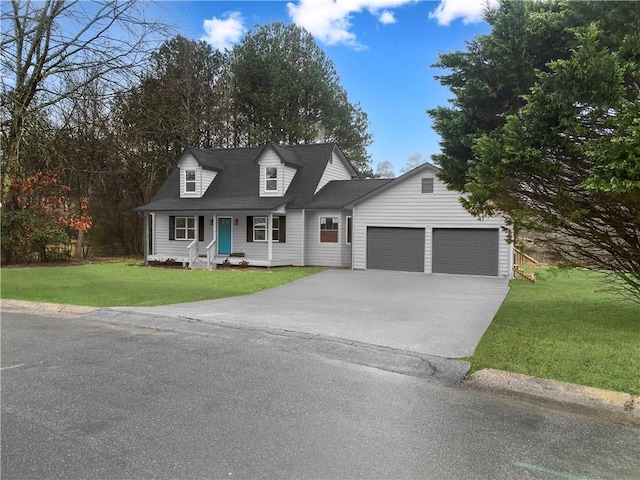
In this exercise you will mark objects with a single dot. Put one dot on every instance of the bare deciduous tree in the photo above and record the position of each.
(43, 42)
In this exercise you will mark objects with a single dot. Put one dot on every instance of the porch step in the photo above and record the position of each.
(200, 264)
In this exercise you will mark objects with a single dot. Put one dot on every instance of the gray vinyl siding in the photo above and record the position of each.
(177, 249)
(335, 170)
(326, 254)
(291, 249)
(404, 205)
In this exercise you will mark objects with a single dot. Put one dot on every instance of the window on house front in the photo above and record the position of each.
(260, 229)
(190, 181)
(257, 229)
(329, 229)
(271, 176)
(348, 231)
(185, 228)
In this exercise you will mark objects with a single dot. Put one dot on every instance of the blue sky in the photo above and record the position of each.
(382, 50)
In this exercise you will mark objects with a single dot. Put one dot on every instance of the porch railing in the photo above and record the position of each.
(524, 265)
(192, 255)
(211, 254)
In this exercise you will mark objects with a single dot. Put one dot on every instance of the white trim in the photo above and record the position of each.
(270, 236)
(304, 238)
(353, 215)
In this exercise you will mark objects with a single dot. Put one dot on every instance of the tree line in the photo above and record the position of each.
(92, 107)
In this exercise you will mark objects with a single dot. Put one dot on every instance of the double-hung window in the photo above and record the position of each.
(260, 229)
(185, 228)
(329, 229)
(271, 179)
(190, 181)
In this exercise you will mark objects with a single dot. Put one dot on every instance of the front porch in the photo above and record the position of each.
(251, 262)
(238, 238)
(202, 262)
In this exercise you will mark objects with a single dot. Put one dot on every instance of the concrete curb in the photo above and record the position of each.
(27, 306)
(580, 396)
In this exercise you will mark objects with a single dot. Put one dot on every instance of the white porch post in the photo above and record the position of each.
(146, 239)
(353, 235)
(270, 238)
(304, 236)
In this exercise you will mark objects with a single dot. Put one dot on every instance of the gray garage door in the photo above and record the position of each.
(395, 249)
(467, 251)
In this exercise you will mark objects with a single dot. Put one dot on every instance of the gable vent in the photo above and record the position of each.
(427, 185)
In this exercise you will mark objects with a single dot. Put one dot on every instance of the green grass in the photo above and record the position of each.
(111, 284)
(568, 326)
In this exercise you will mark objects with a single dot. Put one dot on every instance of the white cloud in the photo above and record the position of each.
(470, 11)
(223, 33)
(330, 20)
(387, 18)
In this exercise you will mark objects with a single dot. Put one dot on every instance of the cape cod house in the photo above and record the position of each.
(302, 205)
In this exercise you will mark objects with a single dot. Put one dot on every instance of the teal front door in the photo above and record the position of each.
(224, 236)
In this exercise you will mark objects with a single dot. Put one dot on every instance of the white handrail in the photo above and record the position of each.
(211, 253)
(193, 252)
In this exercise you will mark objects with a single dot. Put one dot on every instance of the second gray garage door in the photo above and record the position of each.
(466, 251)
(395, 249)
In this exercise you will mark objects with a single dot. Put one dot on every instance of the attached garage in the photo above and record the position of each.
(391, 248)
(415, 223)
(466, 251)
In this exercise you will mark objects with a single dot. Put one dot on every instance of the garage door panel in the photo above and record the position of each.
(399, 249)
(466, 251)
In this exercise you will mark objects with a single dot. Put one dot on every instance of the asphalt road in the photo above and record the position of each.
(83, 399)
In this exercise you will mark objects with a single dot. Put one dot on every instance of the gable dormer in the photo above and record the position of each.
(278, 166)
(196, 174)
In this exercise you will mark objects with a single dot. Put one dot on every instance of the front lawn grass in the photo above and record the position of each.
(568, 326)
(110, 284)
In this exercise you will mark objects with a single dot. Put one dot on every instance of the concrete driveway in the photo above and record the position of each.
(441, 315)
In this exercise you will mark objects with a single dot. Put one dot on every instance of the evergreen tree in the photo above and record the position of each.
(285, 89)
(544, 127)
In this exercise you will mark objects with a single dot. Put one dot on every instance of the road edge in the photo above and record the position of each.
(571, 394)
(410, 363)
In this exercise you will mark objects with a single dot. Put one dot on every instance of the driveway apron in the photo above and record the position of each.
(441, 315)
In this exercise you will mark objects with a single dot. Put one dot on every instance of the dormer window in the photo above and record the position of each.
(271, 179)
(190, 181)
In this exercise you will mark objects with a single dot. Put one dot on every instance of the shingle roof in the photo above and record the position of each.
(236, 186)
(338, 193)
(209, 159)
(287, 155)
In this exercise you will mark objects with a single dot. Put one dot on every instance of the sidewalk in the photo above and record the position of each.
(582, 397)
